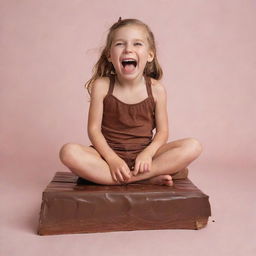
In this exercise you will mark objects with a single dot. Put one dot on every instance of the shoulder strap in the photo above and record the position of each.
(111, 84)
(148, 84)
(147, 80)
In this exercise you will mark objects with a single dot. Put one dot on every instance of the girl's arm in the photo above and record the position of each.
(118, 168)
(99, 91)
(144, 159)
(162, 130)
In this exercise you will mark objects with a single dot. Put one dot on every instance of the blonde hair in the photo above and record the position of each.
(104, 68)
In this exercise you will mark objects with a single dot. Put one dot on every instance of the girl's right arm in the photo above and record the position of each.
(118, 168)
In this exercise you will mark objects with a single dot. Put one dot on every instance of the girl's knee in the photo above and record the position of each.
(193, 147)
(68, 151)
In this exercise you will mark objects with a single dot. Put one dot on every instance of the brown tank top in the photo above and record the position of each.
(126, 126)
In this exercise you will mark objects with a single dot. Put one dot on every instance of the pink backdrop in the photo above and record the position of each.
(48, 49)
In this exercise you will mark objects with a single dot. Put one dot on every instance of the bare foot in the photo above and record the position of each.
(159, 180)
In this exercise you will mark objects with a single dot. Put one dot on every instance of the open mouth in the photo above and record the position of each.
(129, 63)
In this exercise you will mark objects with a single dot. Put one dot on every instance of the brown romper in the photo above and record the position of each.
(128, 128)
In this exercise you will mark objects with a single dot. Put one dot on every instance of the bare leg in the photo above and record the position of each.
(170, 158)
(166, 179)
(87, 163)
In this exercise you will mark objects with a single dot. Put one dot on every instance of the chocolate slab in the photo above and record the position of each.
(68, 207)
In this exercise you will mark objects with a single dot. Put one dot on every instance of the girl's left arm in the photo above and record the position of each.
(144, 159)
(162, 129)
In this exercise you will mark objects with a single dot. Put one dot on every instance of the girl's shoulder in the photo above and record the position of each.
(156, 84)
(158, 89)
(100, 86)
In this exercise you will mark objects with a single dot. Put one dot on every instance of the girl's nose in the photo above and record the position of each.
(128, 48)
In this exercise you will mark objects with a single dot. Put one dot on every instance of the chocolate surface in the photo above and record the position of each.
(71, 208)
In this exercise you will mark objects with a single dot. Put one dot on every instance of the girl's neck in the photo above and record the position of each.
(130, 83)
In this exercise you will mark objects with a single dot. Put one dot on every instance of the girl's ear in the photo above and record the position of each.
(108, 57)
(150, 56)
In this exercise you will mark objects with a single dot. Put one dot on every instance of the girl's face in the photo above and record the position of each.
(130, 51)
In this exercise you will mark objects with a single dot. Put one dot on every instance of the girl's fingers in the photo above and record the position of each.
(145, 167)
(136, 168)
(119, 176)
(142, 166)
(114, 177)
(125, 173)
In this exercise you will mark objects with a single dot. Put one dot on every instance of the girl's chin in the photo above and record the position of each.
(130, 75)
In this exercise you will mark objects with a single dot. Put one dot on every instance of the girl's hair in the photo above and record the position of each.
(104, 68)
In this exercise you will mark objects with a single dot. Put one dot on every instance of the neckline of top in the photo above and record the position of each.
(148, 87)
(129, 104)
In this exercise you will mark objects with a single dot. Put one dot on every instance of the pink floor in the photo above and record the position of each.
(230, 231)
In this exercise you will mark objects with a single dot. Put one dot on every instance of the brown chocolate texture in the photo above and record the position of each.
(71, 208)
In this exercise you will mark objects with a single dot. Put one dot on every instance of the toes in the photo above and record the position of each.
(169, 183)
(162, 180)
(168, 177)
(168, 180)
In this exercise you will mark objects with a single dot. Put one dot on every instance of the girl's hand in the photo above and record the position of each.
(143, 163)
(119, 170)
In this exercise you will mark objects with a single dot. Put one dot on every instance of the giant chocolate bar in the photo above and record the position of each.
(68, 207)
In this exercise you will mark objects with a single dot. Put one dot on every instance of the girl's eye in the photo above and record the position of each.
(135, 44)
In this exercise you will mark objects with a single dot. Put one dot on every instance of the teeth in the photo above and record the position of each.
(129, 61)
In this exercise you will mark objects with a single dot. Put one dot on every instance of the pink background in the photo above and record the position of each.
(207, 51)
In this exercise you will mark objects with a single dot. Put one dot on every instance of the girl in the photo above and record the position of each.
(127, 103)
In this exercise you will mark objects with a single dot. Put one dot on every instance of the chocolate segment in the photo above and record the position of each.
(68, 207)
